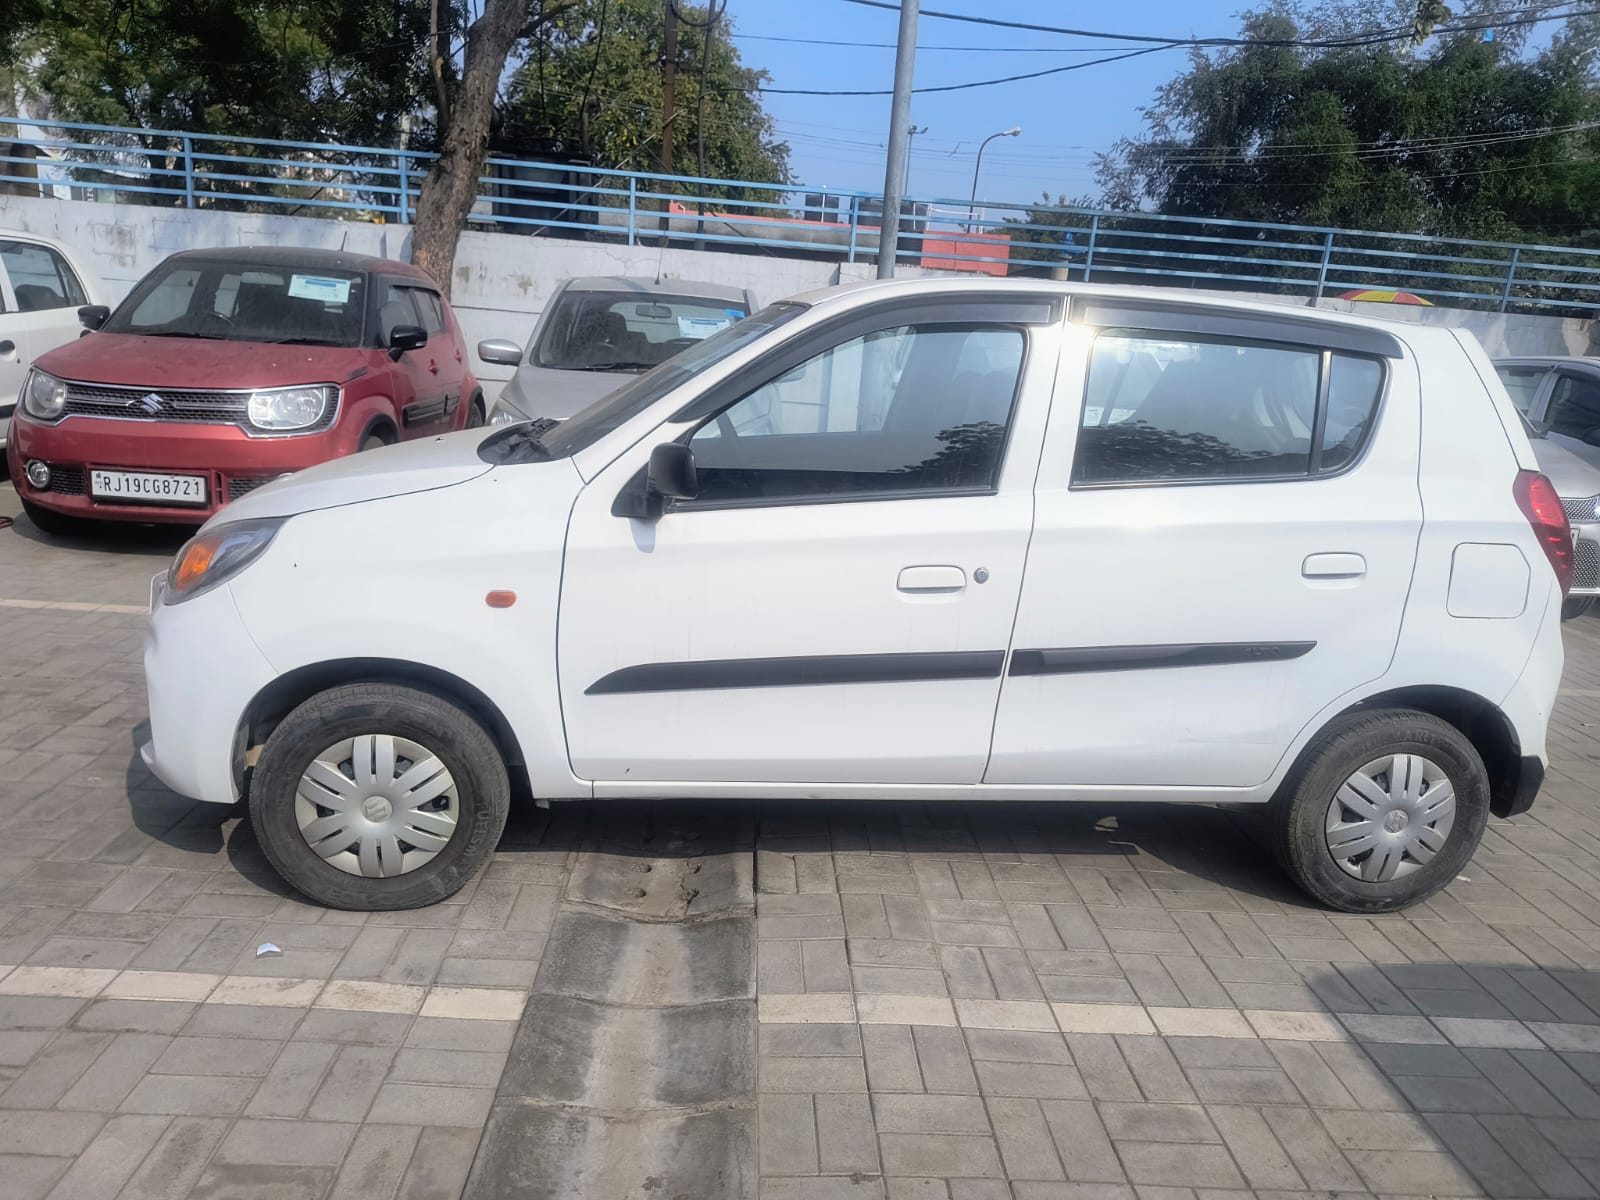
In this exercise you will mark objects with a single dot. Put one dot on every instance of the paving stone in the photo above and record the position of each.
(1007, 1045)
(930, 1114)
(1081, 1143)
(891, 1058)
(1181, 1166)
(376, 1162)
(1144, 1122)
(942, 1056)
(134, 1016)
(115, 1072)
(286, 1143)
(376, 1029)
(216, 1056)
(1101, 1066)
(54, 1070)
(1255, 1150)
(788, 1134)
(845, 1136)
(965, 1155)
(812, 1075)
(293, 1080)
(439, 1164)
(351, 1082)
(1155, 1069)
(30, 1176)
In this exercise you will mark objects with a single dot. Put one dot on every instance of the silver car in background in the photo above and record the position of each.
(597, 331)
(1560, 398)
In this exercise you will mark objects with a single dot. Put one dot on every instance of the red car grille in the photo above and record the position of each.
(173, 405)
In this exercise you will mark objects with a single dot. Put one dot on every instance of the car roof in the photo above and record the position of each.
(19, 235)
(1545, 360)
(850, 294)
(300, 256)
(656, 287)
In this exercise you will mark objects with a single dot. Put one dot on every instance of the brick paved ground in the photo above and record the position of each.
(956, 1002)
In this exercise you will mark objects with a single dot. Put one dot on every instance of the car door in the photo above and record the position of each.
(444, 356)
(38, 308)
(835, 604)
(1224, 540)
(420, 397)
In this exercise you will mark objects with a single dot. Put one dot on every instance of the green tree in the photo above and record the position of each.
(590, 83)
(1449, 140)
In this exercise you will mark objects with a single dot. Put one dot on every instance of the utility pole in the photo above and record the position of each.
(905, 60)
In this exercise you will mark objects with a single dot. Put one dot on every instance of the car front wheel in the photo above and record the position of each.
(373, 796)
(1381, 812)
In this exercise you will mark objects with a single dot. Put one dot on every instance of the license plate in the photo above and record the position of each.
(142, 485)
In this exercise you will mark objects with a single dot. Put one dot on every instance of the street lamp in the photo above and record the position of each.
(978, 166)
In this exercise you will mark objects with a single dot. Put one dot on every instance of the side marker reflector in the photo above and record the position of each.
(500, 599)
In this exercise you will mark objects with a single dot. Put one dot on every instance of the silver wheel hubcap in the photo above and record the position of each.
(376, 805)
(1391, 817)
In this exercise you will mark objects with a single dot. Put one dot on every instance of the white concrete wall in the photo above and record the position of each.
(502, 281)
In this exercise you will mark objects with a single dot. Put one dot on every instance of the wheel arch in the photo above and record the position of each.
(1480, 721)
(285, 693)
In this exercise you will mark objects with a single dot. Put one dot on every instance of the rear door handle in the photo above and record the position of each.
(1333, 566)
(923, 580)
(433, 366)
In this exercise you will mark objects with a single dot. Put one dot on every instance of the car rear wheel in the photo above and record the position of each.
(47, 520)
(373, 796)
(1575, 606)
(1381, 812)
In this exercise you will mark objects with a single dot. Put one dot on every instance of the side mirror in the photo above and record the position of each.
(406, 337)
(93, 315)
(669, 476)
(672, 473)
(499, 350)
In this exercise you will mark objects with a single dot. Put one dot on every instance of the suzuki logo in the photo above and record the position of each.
(152, 403)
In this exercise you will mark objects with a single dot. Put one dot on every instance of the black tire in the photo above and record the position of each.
(483, 793)
(1575, 606)
(475, 415)
(47, 520)
(1299, 811)
(374, 440)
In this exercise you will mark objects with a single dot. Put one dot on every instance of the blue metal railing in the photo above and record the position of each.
(220, 171)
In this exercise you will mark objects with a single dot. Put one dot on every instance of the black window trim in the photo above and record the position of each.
(1216, 334)
(71, 286)
(940, 315)
(1288, 328)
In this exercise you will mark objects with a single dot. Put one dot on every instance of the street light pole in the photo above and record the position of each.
(905, 59)
(978, 166)
(911, 135)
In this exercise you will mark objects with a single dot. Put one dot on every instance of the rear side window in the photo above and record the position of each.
(1162, 409)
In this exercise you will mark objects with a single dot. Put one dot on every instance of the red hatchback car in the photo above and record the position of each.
(224, 369)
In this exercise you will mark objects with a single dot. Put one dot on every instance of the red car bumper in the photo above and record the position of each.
(229, 460)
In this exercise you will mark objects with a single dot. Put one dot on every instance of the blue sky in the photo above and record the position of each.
(839, 141)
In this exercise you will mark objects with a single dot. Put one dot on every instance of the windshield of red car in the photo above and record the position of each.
(245, 303)
(627, 331)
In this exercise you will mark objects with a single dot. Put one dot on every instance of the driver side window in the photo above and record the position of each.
(909, 410)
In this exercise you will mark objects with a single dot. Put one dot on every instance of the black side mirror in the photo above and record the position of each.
(93, 315)
(669, 476)
(406, 337)
(672, 473)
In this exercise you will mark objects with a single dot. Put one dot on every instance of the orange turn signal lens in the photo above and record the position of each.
(193, 564)
(500, 599)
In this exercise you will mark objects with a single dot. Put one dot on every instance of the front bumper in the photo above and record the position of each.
(201, 670)
(230, 460)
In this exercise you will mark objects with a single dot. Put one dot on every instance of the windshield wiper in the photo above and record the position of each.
(610, 366)
(299, 341)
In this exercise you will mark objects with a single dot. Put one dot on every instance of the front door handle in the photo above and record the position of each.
(1333, 566)
(8, 350)
(925, 580)
(433, 366)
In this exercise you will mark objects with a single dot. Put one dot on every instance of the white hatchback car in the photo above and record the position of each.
(916, 541)
(41, 289)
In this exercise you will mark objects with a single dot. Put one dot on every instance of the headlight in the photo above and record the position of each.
(217, 555)
(288, 408)
(43, 396)
(504, 414)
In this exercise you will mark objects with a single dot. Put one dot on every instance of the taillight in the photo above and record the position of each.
(1536, 497)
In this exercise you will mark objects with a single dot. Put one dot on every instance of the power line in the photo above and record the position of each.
(760, 37)
(961, 87)
(1306, 43)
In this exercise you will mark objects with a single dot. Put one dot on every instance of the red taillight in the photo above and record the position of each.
(1536, 497)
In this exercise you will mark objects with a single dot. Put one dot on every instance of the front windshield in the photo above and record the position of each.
(522, 443)
(627, 331)
(239, 302)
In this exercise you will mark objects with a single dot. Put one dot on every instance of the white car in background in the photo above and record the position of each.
(600, 330)
(42, 286)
